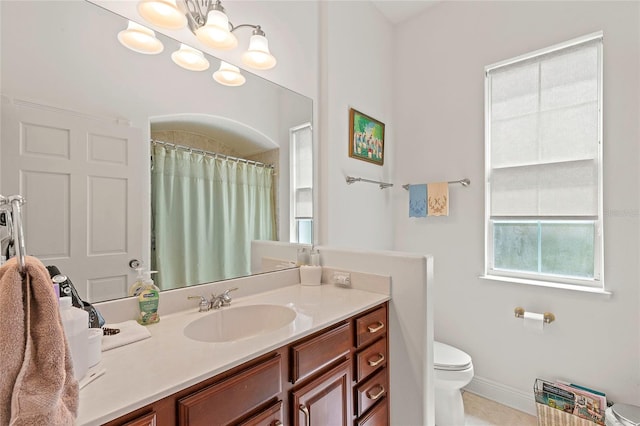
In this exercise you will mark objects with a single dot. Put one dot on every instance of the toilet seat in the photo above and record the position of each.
(626, 414)
(448, 358)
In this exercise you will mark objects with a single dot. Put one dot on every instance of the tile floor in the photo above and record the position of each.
(484, 412)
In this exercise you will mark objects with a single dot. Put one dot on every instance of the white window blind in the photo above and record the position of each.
(543, 163)
(301, 216)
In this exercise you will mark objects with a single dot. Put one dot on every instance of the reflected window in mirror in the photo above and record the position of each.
(301, 219)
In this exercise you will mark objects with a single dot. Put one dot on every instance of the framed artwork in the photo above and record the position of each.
(366, 138)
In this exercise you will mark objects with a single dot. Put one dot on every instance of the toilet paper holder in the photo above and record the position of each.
(547, 316)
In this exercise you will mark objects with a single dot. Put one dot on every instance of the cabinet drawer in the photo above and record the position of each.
(370, 326)
(371, 391)
(224, 402)
(146, 420)
(371, 359)
(314, 354)
(378, 416)
(272, 416)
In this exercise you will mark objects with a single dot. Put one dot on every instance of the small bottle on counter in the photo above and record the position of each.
(314, 257)
(302, 257)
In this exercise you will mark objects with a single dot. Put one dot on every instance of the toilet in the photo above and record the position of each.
(622, 415)
(453, 370)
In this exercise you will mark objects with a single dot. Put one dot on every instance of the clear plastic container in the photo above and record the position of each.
(76, 328)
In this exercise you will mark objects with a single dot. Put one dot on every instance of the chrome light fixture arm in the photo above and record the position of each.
(196, 17)
(257, 30)
(197, 11)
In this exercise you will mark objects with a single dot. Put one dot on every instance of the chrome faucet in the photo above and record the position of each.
(221, 300)
(216, 302)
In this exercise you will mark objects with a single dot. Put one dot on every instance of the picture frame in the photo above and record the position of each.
(366, 138)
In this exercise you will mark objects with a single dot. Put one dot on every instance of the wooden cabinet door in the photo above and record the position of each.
(233, 398)
(325, 400)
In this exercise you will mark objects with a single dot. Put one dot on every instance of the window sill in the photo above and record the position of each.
(548, 284)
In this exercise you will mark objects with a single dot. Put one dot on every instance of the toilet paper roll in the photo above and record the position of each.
(534, 322)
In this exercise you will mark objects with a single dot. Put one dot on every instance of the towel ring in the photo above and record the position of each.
(18, 236)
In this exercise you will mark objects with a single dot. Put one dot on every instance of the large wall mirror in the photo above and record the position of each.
(79, 112)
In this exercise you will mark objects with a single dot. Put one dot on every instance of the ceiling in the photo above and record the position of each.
(397, 11)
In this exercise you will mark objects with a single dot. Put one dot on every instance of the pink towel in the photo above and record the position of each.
(37, 385)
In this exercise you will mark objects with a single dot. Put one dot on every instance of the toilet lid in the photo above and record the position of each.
(627, 413)
(447, 357)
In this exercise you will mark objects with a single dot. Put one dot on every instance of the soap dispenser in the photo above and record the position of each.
(148, 300)
(138, 285)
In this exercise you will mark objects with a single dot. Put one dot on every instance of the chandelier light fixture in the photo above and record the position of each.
(228, 75)
(140, 39)
(189, 58)
(210, 24)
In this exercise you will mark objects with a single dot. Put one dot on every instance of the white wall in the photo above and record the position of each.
(356, 57)
(439, 126)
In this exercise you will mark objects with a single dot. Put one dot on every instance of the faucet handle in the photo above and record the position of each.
(204, 303)
(226, 298)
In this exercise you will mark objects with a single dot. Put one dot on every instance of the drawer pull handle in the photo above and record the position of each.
(304, 409)
(376, 396)
(277, 423)
(373, 363)
(376, 328)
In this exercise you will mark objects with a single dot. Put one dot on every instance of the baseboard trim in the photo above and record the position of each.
(505, 395)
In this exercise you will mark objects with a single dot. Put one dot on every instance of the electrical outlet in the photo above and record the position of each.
(341, 278)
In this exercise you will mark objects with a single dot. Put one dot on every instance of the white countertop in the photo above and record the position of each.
(151, 369)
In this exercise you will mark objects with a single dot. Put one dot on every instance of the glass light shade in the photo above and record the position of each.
(228, 75)
(140, 39)
(189, 58)
(258, 55)
(215, 33)
(162, 13)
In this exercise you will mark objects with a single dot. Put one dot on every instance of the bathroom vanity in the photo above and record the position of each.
(330, 366)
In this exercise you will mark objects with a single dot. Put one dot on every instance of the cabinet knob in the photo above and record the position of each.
(373, 363)
(377, 395)
(277, 423)
(375, 327)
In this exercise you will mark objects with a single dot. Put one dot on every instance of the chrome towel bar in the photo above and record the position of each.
(464, 182)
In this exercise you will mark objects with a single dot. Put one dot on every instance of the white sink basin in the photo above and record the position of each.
(236, 323)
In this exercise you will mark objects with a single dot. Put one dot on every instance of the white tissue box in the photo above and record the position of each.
(310, 275)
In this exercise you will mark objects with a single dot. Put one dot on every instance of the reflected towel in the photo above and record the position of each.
(130, 331)
(418, 200)
(37, 386)
(438, 200)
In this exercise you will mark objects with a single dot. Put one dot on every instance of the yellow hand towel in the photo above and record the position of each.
(438, 199)
(37, 386)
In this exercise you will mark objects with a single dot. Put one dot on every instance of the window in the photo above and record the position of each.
(543, 149)
(301, 217)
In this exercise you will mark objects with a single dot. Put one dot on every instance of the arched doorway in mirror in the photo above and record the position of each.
(213, 191)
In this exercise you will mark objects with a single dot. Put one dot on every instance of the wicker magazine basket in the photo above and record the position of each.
(556, 409)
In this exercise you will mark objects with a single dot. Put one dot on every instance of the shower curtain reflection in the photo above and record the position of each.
(205, 213)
